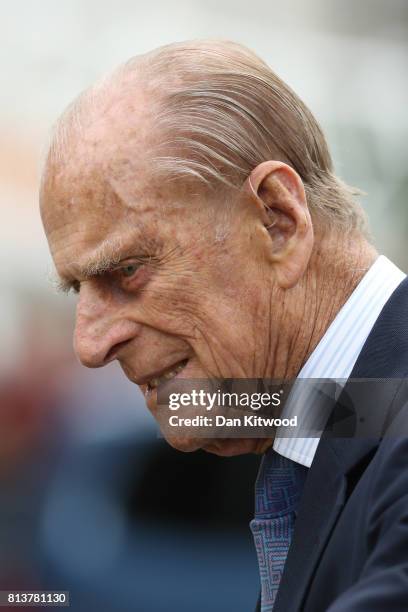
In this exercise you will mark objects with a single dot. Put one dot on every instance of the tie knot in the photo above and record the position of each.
(278, 486)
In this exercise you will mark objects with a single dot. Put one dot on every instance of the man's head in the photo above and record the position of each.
(188, 198)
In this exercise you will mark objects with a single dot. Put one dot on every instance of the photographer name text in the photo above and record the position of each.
(222, 421)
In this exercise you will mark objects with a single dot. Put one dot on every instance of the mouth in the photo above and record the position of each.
(152, 382)
(168, 374)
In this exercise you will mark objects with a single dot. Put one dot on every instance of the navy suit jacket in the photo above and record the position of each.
(349, 551)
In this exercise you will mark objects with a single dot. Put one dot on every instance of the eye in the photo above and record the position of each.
(129, 270)
(65, 286)
(131, 275)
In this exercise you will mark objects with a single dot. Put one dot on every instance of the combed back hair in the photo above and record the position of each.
(218, 110)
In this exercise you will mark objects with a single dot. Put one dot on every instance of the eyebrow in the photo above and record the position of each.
(103, 259)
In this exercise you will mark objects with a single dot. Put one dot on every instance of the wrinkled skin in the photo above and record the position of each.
(191, 281)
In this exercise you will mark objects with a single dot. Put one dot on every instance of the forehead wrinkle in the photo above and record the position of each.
(118, 191)
(132, 186)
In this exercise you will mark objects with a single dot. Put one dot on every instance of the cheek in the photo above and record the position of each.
(199, 294)
(173, 304)
(214, 325)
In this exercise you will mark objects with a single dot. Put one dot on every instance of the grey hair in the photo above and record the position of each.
(217, 111)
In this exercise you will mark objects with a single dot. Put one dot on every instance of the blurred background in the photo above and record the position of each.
(91, 500)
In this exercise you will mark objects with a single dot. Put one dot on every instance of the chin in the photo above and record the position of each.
(231, 447)
(223, 447)
(186, 445)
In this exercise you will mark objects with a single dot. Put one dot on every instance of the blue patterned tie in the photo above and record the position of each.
(277, 492)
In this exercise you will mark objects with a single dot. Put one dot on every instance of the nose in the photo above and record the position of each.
(101, 330)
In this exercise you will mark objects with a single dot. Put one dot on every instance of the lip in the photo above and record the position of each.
(143, 381)
(151, 393)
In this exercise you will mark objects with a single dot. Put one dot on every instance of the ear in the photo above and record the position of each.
(277, 191)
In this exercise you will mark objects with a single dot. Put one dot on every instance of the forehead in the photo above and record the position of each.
(101, 189)
(89, 210)
(95, 144)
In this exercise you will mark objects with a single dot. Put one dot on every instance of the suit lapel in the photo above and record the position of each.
(325, 494)
(323, 499)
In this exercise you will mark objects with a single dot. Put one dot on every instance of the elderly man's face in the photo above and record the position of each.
(170, 284)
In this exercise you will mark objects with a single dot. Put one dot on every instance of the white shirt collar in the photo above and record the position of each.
(338, 350)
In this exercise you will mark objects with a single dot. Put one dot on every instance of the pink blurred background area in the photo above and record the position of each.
(92, 500)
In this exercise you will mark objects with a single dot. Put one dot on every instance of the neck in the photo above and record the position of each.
(337, 266)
